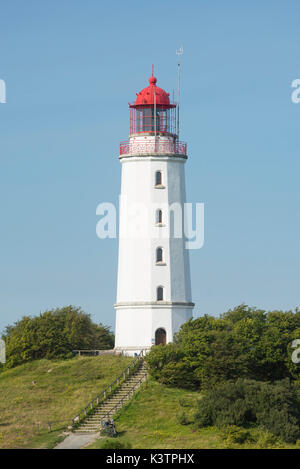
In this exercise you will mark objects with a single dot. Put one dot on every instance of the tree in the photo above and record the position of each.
(274, 406)
(54, 334)
(243, 342)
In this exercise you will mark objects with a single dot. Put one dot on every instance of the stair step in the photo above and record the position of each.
(114, 403)
(88, 427)
(78, 432)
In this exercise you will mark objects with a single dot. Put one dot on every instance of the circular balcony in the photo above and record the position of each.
(152, 147)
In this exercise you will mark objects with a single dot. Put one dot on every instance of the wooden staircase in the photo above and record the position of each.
(94, 422)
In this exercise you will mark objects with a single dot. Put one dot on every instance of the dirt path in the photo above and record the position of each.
(76, 441)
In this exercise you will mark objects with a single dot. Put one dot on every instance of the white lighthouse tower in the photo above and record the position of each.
(154, 288)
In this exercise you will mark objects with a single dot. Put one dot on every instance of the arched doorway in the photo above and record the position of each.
(160, 337)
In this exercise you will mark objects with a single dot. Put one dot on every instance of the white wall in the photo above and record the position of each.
(138, 314)
(136, 326)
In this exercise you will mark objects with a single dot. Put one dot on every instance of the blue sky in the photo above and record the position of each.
(70, 68)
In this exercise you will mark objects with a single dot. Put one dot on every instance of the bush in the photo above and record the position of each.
(242, 343)
(235, 435)
(282, 423)
(54, 334)
(275, 407)
(115, 444)
(263, 440)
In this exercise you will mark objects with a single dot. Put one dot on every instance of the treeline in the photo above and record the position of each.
(243, 342)
(54, 334)
(242, 363)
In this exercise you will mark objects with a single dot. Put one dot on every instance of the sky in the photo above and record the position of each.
(70, 69)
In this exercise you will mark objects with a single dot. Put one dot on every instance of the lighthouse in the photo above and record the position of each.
(154, 286)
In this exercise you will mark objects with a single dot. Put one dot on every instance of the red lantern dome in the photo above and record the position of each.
(152, 111)
(146, 96)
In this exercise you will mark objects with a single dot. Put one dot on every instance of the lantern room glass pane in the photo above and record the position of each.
(145, 120)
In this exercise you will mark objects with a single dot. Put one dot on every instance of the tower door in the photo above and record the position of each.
(160, 337)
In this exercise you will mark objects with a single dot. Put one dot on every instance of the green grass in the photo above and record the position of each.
(43, 391)
(151, 421)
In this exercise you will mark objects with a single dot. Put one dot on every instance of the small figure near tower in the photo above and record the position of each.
(154, 287)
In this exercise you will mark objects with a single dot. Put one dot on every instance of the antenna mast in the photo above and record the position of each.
(154, 106)
(179, 53)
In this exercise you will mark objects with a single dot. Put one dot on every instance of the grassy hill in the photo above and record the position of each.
(152, 421)
(43, 391)
(54, 391)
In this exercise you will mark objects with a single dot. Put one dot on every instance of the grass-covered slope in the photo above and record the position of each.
(153, 420)
(43, 391)
(39, 392)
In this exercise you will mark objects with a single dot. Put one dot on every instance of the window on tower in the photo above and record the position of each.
(158, 178)
(159, 255)
(160, 294)
(159, 217)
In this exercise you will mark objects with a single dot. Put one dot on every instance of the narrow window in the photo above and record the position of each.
(159, 255)
(159, 216)
(158, 178)
(160, 293)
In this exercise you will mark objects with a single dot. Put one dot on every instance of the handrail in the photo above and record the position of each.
(124, 397)
(96, 400)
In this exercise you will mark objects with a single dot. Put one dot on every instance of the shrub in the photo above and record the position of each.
(275, 407)
(242, 343)
(54, 334)
(282, 423)
(263, 440)
(235, 435)
(114, 443)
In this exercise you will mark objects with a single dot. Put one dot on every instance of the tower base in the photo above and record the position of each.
(141, 325)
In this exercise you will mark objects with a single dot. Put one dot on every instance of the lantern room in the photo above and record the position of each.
(152, 111)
